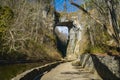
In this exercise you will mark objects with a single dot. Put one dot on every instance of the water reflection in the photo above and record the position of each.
(9, 71)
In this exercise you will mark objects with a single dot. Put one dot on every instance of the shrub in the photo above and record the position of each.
(6, 15)
(97, 50)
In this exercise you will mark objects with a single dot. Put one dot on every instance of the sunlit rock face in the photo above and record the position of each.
(74, 40)
(75, 36)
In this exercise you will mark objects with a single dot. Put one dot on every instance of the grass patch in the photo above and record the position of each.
(97, 50)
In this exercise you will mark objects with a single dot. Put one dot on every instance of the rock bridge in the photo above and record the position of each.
(63, 39)
(65, 43)
(62, 35)
(68, 24)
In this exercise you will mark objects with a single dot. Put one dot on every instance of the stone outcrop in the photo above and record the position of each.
(107, 67)
(74, 41)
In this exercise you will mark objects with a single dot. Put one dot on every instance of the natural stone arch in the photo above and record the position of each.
(69, 24)
(62, 46)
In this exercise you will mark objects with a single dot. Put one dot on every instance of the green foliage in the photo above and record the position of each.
(6, 15)
(97, 50)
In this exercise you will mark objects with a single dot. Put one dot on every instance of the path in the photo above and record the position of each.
(66, 71)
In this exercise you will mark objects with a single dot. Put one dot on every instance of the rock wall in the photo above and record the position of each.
(75, 38)
(107, 67)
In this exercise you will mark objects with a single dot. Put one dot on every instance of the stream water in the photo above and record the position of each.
(9, 71)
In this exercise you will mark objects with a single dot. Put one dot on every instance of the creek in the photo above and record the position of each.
(9, 71)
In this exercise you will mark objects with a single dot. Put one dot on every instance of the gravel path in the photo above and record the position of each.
(66, 71)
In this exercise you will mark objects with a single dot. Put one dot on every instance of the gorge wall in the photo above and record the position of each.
(105, 65)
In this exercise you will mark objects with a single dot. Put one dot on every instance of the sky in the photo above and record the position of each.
(59, 5)
(63, 30)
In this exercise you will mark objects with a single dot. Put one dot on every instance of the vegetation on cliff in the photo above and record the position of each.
(26, 30)
(100, 19)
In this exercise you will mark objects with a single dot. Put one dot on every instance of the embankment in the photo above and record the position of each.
(35, 73)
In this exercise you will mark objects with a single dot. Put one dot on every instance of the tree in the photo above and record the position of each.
(105, 7)
(29, 33)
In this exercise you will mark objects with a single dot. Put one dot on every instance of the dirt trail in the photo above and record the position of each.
(66, 71)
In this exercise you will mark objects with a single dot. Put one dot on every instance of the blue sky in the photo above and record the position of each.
(59, 5)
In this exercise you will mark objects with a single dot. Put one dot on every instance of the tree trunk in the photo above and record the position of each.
(113, 20)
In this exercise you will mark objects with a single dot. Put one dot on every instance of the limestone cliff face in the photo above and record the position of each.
(72, 45)
(106, 66)
(75, 38)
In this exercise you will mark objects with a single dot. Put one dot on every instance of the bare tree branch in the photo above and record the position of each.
(86, 12)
